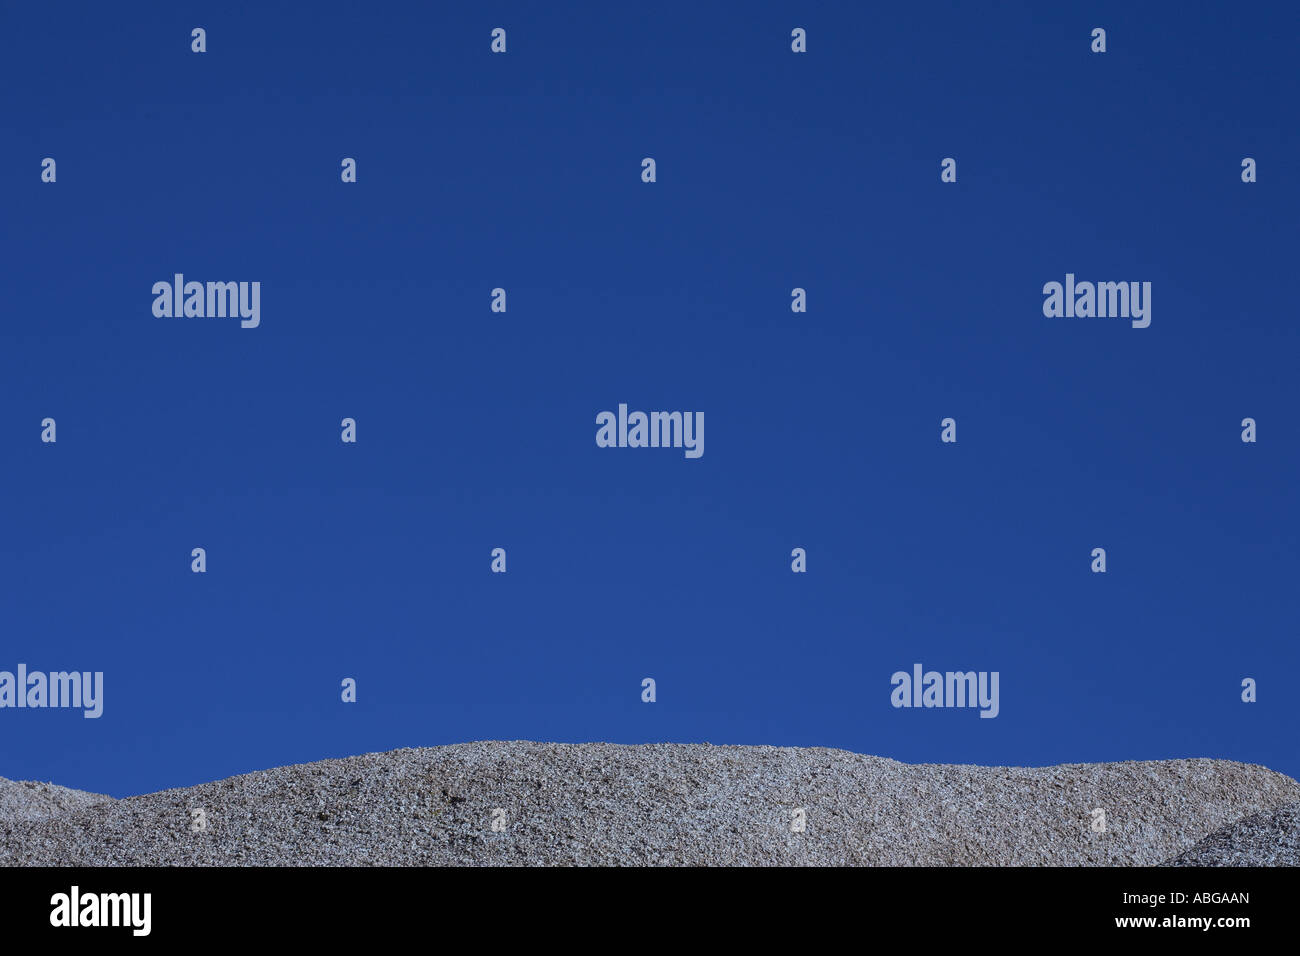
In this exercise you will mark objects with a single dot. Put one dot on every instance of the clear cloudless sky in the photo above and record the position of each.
(476, 430)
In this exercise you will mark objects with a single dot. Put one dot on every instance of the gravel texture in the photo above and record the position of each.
(27, 801)
(1265, 839)
(657, 804)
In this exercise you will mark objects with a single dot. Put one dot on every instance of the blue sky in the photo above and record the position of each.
(476, 429)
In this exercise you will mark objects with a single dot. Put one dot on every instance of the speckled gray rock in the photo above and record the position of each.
(28, 800)
(659, 804)
(1265, 839)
